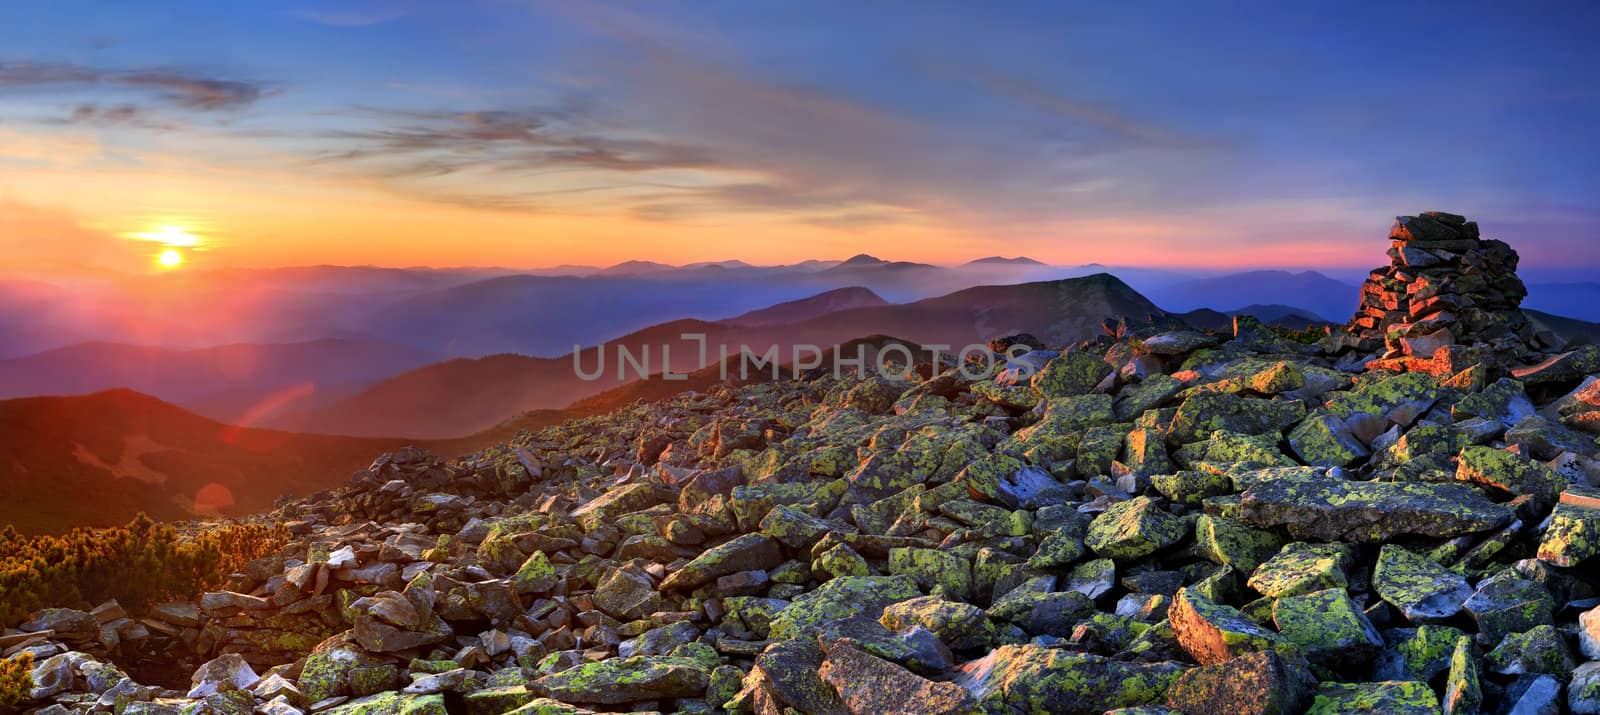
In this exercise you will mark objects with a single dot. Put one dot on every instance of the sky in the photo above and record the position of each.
(522, 134)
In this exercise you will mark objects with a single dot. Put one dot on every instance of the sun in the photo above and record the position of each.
(170, 258)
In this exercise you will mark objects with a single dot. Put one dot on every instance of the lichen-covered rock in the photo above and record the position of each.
(328, 673)
(1506, 603)
(1385, 698)
(1537, 650)
(840, 598)
(1214, 633)
(1424, 591)
(1573, 535)
(536, 575)
(1328, 628)
(393, 703)
(1058, 681)
(1583, 692)
(749, 552)
(1230, 542)
(785, 676)
(1330, 509)
(1192, 487)
(627, 594)
(1301, 568)
(1134, 529)
(916, 648)
(940, 571)
(1073, 372)
(1252, 684)
(619, 681)
(1462, 692)
(1508, 473)
(1202, 414)
(1324, 440)
(869, 685)
(961, 626)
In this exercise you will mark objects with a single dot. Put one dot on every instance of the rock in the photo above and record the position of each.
(1093, 578)
(1054, 613)
(744, 553)
(840, 598)
(1177, 342)
(1202, 414)
(1133, 530)
(1537, 650)
(1230, 542)
(1326, 441)
(1508, 473)
(626, 594)
(1328, 509)
(1583, 692)
(68, 624)
(329, 673)
(1539, 695)
(1302, 568)
(941, 572)
(1252, 684)
(785, 676)
(536, 575)
(1573, 535)
(916, 648)
(1214, 633)
(226, 672)
(1424, 591)
(1328, 627)
(51, 676)
(1462, 693)
(1589, 633)
(1070, 373)
(1031, 488)
(619, 681)
(1058, 681)
(870, 686)
(377, 636)
(961, 626)
(1385, 698)
(1505, 604)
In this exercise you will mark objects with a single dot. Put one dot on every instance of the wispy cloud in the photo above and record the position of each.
(176, 87)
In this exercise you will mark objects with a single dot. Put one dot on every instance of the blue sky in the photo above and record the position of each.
(1183, 133)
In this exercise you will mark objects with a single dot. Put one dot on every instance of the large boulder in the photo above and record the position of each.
(1331, 509)
(1252, 684)
(871, 686)
(1058, 681)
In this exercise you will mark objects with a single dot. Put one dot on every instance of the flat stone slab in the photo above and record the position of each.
(1331, 509)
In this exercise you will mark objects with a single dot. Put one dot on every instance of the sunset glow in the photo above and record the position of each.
(170, 258)
(587, 134)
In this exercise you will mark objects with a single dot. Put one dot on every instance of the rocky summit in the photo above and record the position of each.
(1159, 521)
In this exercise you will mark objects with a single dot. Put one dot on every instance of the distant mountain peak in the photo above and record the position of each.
(1002, 260)
(863, 259)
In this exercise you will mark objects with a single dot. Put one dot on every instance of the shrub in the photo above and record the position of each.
(16, 679)
(138, 564)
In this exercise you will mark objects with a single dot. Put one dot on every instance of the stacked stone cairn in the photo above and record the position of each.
(1446, 289)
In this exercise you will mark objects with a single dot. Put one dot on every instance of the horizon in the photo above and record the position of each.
(550, 133)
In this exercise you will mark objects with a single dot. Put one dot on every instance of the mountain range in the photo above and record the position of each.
(114, 452)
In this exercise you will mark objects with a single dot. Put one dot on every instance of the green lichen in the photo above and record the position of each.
(1134, 529)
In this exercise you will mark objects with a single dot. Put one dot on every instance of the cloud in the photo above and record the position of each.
(432, 144)
(175, 87)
